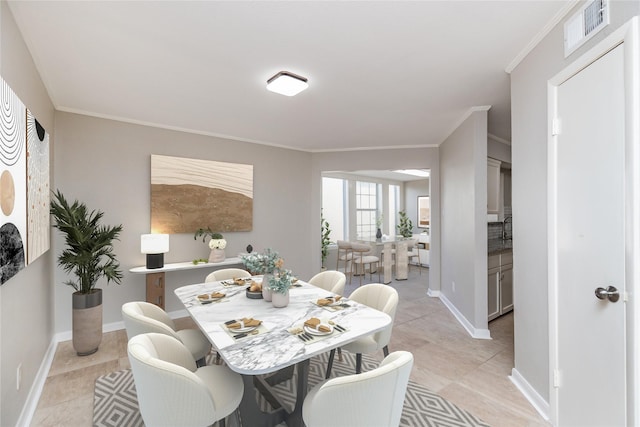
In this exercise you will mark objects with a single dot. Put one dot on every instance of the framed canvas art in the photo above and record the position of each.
(188, 194)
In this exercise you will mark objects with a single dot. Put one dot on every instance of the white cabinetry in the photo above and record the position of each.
(423, 249)
(493, 186)
(500, 284)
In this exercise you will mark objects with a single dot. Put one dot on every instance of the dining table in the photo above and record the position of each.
(268, 353)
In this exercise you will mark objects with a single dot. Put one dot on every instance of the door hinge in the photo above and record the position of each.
(555, 127)
(556, 378)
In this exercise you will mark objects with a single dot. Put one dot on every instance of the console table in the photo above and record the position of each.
(155, 276)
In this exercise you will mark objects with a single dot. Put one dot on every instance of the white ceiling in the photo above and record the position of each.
(381, 74)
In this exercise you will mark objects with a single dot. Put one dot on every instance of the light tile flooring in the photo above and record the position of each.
(471, 373)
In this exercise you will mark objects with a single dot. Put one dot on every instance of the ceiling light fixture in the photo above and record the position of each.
(415, 172)
(287, 83)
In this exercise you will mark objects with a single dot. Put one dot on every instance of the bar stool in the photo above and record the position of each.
(360, 258)
(414, 252)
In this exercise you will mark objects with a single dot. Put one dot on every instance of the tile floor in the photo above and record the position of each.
(471, 373)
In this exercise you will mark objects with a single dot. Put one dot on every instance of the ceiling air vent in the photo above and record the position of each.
(591, 18)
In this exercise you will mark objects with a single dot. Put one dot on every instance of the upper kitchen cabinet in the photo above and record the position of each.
(493, 186)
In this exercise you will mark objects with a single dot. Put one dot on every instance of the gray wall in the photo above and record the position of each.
(26, 312)
(463, 174)
(107, 165)
(529, 194)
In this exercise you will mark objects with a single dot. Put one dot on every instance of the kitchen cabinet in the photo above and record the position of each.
(500, 284)
(493, 186)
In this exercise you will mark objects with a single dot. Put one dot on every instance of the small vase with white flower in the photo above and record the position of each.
(217, 243)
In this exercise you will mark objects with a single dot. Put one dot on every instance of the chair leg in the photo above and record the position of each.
(358, 363)
(330, 364)
(222, 423)
(339, 354)
(385, 350)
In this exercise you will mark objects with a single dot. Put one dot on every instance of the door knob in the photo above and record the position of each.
(611, 293)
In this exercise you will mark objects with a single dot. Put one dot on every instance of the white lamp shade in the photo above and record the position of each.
(154, 243)
(286, 83)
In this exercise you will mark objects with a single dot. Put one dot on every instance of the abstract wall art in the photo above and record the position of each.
(24, 186)
(188, 194)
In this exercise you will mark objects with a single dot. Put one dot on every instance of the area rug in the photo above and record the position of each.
(115, 402)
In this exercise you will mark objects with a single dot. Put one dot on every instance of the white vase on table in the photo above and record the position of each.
(280, 300)
(217, 255)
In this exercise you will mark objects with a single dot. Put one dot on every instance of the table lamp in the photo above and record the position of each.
(155, 246)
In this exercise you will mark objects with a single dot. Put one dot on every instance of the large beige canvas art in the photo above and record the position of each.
(188, 194)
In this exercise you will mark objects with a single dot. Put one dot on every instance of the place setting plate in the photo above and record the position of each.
(316, 332)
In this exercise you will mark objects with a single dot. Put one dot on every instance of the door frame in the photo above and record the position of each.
(626, 35)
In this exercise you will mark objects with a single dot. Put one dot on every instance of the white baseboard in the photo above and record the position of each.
(537, 401)
(482, 334)
(433, 294)
(37, 386)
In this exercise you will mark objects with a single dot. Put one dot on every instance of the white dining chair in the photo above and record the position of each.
(142, 317)
(363, 256)
(226, 274)
(173, 391)
(380, 297)
(330, 280)
(345, 255)
(372, 399)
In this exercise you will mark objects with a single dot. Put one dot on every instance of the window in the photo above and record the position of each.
(334, 193)
(366, 210)
(394, 206)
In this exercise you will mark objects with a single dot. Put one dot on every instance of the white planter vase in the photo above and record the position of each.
(280, 300)
(217, 255)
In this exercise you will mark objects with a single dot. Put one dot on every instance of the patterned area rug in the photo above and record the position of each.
(115, 402)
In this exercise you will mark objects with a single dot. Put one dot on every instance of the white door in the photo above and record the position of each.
(588, 248)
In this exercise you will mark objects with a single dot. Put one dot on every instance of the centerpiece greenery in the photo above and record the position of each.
(281, 281)
(262, 263)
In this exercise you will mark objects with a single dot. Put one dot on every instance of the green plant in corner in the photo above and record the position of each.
(89, 253)
(325, 236)
(405, 226)
(89, 256)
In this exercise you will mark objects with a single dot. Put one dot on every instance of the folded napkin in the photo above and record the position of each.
(206, 297)
(244, 323)
(329, 300)
(316, 324)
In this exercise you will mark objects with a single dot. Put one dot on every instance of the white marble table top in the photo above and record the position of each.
(276, 348)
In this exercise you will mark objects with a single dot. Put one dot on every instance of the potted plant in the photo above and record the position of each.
(279, 285)
(265, 263)
(326, 232)
(217, 243)
(405, 226)
(89, 256)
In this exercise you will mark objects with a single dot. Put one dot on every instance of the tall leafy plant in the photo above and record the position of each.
(89, 253)
(325, 236)
(405, 226)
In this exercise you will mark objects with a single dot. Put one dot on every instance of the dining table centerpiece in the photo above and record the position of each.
(279, 284)
(217, 243)
(265, 264)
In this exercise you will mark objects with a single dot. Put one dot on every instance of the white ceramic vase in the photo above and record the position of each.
(280, 300)
(217, 255)
(266, 290)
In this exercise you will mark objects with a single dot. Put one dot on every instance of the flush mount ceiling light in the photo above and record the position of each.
(287, 83)
(415, 172)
